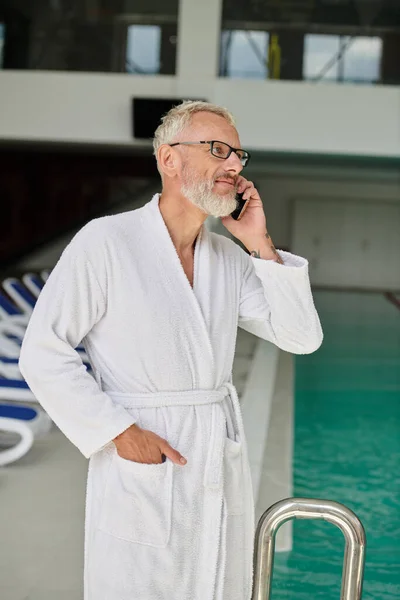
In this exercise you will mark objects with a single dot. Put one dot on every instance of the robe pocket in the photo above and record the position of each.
(234, 481)
(137, 502)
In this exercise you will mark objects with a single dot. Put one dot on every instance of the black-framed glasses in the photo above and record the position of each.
(220, 150)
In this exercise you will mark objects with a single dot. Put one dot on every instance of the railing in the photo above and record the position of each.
(303, 508)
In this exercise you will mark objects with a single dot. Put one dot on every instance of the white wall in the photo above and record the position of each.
(287, 116)
(349, 243)
(280, 190)
(365, 243)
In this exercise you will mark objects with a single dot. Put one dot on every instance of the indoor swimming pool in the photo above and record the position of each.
(347, 447)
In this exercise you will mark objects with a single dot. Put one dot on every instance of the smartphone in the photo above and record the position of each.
(238, 213)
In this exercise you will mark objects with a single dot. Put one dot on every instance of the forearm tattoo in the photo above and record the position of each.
(256, 253)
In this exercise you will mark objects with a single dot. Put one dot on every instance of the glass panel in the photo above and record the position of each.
(342, 58)
(2, 35)
(93, 36)
(244, 54)
(319, 53)
(362, 60)
(355, 41)
(143, 49)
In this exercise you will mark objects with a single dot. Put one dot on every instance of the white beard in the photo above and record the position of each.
(201, 195)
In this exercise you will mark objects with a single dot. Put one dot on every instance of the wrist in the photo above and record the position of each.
(121, 436)
(263, 247)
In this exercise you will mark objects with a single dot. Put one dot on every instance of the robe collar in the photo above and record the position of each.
(196, 301)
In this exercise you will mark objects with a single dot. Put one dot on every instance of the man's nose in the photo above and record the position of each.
(233, 163)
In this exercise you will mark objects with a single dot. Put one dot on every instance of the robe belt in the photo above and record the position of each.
(223, 422)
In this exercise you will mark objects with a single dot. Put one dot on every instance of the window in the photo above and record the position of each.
(244, 54)
(134, 36)
(318, 52)
(363, 59)
(143, 49)
(2, 36)
(342, 58)
(297, 40)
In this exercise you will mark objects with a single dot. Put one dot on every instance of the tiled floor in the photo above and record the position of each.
(41, 522)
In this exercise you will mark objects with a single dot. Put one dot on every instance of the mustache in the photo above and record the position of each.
(229, 176)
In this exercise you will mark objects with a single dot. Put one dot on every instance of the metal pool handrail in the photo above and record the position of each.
(305, 508)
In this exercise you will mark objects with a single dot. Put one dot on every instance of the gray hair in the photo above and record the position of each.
(179, 117)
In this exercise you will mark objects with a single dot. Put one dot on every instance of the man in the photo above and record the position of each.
(156, 299)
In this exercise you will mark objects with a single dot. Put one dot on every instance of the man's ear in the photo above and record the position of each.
(168, 160)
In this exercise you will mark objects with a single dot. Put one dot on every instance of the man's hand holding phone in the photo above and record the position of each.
(248, 223)
(251, 224)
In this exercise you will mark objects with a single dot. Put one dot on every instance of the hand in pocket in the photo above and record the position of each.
(144, 446)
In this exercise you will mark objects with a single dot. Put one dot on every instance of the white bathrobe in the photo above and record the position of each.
(162, 355)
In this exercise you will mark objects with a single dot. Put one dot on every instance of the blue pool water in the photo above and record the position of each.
(347, 448)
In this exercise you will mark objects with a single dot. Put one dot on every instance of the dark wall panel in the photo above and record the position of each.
(45, 193)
